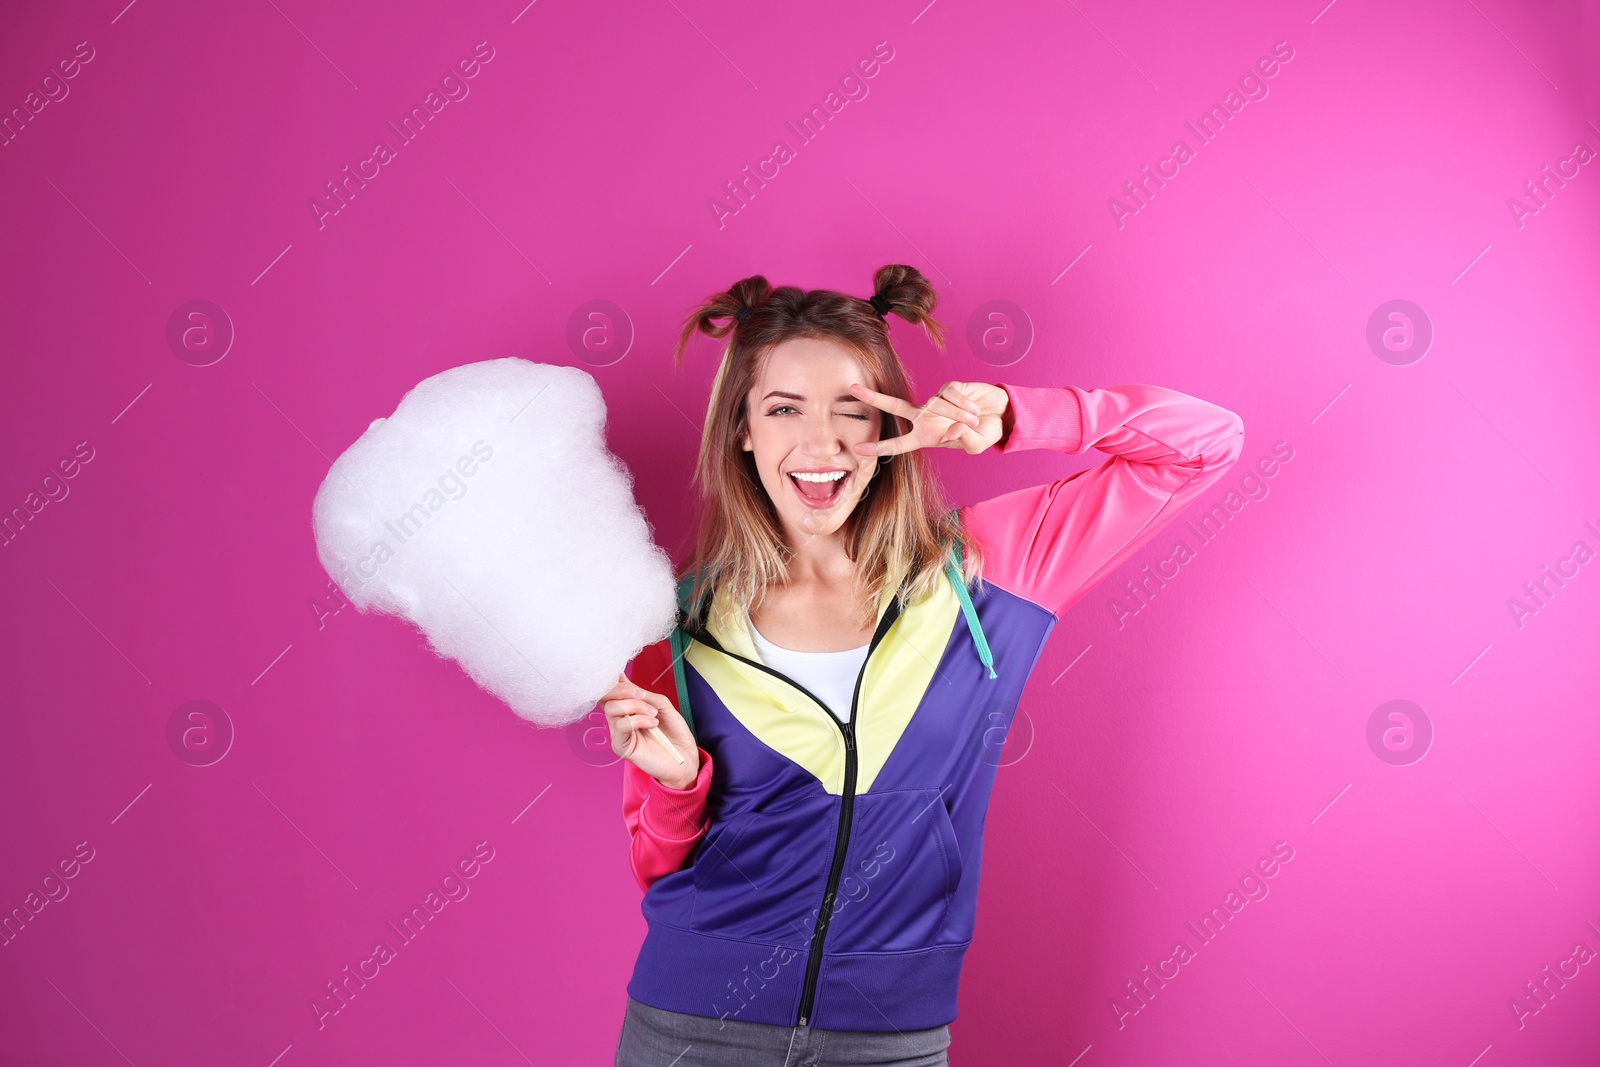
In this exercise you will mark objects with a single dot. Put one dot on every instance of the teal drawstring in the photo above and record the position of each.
(952, 570)
(679, 646)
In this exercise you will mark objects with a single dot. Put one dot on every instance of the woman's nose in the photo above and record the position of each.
(822, 438)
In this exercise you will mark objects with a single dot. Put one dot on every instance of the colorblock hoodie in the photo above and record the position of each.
(824, 873)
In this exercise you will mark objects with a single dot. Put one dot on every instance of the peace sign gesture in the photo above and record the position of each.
(960, 415)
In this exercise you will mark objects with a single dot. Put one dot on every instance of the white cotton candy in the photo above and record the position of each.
(487, 511)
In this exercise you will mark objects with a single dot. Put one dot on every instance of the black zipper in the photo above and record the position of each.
(847, 801)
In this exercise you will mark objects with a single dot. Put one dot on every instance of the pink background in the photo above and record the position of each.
(1229, 714)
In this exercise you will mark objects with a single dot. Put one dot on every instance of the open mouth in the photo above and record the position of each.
(818, 489)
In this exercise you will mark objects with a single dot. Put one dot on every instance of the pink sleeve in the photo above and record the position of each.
(663, 823)
(1051, 544)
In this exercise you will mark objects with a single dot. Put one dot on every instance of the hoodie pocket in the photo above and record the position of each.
(900, 874)
(761, 877)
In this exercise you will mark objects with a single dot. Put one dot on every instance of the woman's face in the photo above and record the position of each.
(802, 422)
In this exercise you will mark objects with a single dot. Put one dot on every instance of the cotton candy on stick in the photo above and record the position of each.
(488, 512)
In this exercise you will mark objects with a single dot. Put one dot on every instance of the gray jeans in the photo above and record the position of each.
(652, 1037)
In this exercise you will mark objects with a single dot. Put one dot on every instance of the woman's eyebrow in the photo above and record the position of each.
(844, 398)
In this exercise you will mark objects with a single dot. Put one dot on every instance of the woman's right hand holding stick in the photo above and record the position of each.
(631, 711)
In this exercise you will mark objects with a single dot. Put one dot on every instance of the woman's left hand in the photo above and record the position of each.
(961, 415)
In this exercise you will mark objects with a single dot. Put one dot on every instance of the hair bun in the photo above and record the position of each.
(903, 287)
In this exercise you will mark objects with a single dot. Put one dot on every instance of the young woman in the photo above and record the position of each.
(854, 656)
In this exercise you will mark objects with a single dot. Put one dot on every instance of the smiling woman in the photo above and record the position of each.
(797, 429)
(779, 471)
(847, 648)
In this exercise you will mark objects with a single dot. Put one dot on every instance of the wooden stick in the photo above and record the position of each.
(661, 739)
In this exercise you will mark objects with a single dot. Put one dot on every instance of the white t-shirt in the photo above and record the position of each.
(830, 675)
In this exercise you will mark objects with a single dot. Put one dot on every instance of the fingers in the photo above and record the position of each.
(625, 688)
(628, 720)
(972, 441)
(624, 709)
(638, 722)
(655, 700)
(889, 446)
(963, 437)
(947, 408)
(950, 404)
(953, 393)
(892, 404)
(954, 435)
(637, 707)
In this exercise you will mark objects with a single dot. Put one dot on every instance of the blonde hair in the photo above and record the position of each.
(900, 526)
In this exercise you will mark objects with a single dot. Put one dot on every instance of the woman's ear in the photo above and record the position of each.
(744, 443)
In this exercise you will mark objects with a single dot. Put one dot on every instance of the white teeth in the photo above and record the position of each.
(807, 476)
